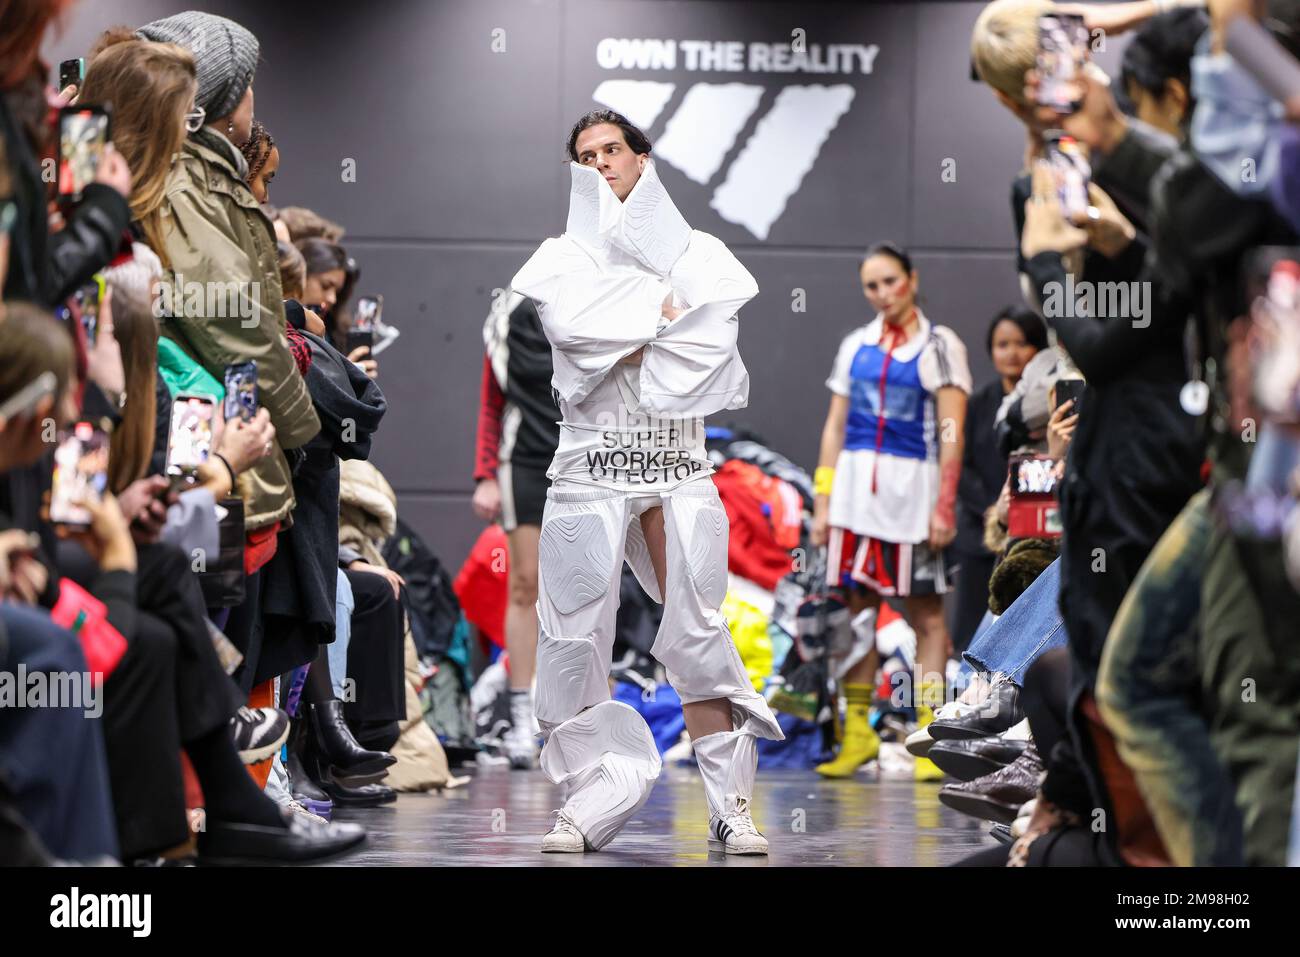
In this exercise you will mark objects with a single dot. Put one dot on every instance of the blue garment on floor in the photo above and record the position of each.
(802, 747)
(1030, 627)
(663, 712)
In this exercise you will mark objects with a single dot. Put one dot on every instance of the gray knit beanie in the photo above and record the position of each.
(225, 56)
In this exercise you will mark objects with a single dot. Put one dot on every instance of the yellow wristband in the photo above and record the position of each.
(823, 479)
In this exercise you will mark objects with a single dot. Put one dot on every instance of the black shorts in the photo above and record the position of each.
(523, 494)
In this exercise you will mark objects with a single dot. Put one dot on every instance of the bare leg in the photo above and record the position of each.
(521, 612)
(702, 717)
(925, 613)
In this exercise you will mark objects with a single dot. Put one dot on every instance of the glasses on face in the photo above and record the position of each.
(194, 119)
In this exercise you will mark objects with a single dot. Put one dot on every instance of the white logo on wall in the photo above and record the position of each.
(702, 131)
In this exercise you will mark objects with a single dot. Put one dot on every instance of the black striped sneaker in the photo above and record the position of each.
(735, 833)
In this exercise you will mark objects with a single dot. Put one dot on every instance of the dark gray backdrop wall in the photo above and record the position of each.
(454, 113)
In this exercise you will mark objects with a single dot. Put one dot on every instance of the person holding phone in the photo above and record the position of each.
(46, 268)
(331, 277)
(642, 320)
(886, 485)
(1015, 336)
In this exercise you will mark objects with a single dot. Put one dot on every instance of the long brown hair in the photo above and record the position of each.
(22, 30)
(150, 86)
(136, 332)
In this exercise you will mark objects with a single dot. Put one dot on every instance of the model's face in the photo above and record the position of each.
(603, 148)
(323, 288)
(1011, 352)
(889, 289)
(261, 183)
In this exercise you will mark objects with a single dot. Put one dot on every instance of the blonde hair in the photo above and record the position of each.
(136, 332)
(151, 86)
(304, 223)
(1004, 44)
(293, 269)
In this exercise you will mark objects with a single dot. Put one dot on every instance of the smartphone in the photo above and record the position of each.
(80, 474)
(83, 134)
(1070, 389)
(1033, 512)
(364, 318)
(89, 298)
(72, 73)
(1072, 171)
(241, 390)
(25, 399)
(189, 439)
(1062, 53)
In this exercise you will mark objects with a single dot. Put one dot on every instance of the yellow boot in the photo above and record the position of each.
(928, 694)
(861, 743)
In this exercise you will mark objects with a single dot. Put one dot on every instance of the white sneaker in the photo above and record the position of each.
(520, 741)
(564, 837)
(919, 741)
(520, 747)
(735, 832)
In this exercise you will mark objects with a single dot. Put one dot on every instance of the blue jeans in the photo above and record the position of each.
(338, 651)
(1030, 627)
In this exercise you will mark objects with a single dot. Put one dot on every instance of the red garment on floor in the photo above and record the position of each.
(482, 585)
(764, 513)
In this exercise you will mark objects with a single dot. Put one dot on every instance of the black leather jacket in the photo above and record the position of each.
(45, 269)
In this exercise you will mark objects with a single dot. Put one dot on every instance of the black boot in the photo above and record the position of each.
(301, 786)
(335, 744)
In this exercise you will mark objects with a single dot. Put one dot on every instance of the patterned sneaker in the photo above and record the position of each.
(735, 832)
(564, 837)
(300, 810)
(259, 732)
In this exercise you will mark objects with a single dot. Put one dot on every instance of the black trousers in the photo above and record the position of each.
(244, 629)
(972, 599)
(168, 689)
(376, 659)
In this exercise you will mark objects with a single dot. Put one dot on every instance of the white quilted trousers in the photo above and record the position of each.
(600, 750)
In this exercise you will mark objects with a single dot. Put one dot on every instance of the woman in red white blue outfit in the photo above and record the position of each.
(886, 485)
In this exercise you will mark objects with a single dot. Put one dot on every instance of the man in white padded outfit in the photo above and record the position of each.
(640, 311)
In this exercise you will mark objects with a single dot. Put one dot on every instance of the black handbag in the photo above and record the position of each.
(223, 580)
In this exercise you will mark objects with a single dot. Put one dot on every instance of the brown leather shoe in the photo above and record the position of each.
(997, 796)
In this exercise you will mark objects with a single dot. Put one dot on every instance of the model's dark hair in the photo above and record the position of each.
(894, 252)
(1162, 51)
(637, 141)
(1026, 321)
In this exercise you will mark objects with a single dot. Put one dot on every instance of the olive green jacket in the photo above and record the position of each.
(221, 303)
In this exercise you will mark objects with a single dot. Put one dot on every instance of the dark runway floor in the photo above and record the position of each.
(500, 816)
